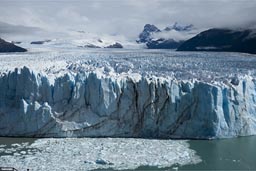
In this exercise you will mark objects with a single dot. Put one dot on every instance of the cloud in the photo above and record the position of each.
(175, 35)
(126, 17)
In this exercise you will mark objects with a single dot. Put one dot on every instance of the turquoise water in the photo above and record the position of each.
(226, 154)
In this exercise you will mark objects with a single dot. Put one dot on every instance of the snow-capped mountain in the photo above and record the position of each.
(170, 37)
(84, 39)
(146, 34)
(38, 38)
(178, 27)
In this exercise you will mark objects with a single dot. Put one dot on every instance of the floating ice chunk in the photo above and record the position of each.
(103, 162)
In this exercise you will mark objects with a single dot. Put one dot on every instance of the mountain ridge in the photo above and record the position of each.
(222, 39)
(10, 47)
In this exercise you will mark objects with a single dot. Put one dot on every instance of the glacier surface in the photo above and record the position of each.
(153, 94)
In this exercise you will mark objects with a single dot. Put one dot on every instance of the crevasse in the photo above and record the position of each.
(88, 104)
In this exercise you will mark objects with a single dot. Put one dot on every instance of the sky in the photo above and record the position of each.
(125, 17)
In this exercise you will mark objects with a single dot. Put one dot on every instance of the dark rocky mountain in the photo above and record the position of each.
(9, 47)
(222, 40)
(148, 30)
(116, 45)
(40, 42)
(16, 42)
(163, 44)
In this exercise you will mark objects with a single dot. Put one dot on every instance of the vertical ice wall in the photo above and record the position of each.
(91, 104)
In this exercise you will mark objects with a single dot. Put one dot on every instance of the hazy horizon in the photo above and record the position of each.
(125, 18)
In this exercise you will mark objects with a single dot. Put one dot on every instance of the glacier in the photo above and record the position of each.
(109, 98)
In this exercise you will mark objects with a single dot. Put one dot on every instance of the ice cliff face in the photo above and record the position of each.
(91, 104)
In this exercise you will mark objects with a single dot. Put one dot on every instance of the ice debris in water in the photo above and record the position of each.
(103, 153)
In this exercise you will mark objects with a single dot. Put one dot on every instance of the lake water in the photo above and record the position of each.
(225, 154)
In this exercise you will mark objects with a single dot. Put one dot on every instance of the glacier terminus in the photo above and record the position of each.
(142, 94)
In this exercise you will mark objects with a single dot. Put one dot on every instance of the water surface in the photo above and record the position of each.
(226, 154)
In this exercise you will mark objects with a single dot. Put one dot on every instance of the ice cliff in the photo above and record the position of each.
(91, 104)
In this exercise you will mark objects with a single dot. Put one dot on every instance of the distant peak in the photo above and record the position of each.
(151, 28)
(148, 30)
(179, 27)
